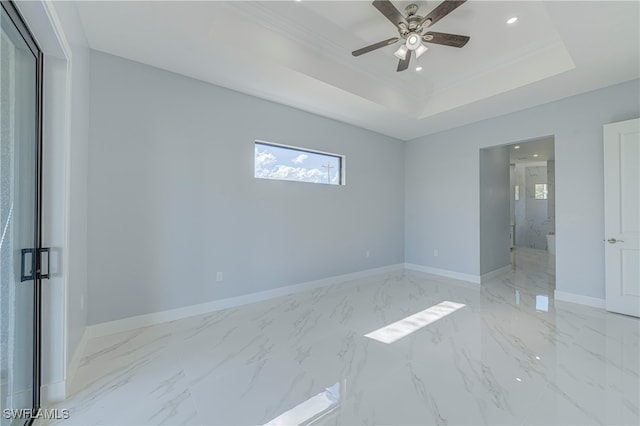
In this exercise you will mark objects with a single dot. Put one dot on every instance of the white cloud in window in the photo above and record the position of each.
(300, 159)
(264, 158)
(297, 173)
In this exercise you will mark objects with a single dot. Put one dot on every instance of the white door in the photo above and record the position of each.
(622, 216)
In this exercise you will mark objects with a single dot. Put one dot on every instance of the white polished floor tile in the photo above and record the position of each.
(510, 355)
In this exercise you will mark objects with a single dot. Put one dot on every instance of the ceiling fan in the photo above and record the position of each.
(412, 30)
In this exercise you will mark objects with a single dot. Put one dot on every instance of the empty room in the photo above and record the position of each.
(320, 212)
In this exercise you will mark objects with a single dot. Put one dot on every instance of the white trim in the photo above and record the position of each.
(74, 362)
(443, 273)
(496, 272)
(52, 393)
(47, 28)
(56, 25)
(131, 323)
(563, 296)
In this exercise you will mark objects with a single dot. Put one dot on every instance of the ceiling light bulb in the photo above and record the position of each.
(512, 20)
(401, 53)
(535, 155)
(516, 147)
(420, 50)
(413, 41)
(418, 68)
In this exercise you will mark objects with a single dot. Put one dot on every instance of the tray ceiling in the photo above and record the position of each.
(299, 53)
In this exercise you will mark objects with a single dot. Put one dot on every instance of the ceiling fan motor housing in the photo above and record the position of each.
(411, 9)
(413, 21)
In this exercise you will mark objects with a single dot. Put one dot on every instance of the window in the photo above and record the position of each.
(540, 191)
(517, 193)
(302, 165)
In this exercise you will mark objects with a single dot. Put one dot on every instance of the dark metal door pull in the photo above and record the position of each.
(23, 265)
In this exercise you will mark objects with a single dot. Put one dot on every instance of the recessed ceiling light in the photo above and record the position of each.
(418, 68)
(516, 147)
(535, 155)
(512, 20)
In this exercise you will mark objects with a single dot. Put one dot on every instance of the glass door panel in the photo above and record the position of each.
(18, 218)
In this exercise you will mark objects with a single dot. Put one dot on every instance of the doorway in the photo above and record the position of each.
(21, 65)
(517, 205)
(532, 184)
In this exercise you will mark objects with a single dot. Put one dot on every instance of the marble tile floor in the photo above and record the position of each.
(511, 356)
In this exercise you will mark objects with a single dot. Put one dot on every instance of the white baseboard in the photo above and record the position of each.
(563, 296)
(52, 393)
(132, 323)
(443, 273)
(496, 272)
(74, 362)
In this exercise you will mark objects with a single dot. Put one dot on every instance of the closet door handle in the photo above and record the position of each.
(27, 254)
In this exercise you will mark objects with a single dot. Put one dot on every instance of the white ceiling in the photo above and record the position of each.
(532, 151)
(299, 54)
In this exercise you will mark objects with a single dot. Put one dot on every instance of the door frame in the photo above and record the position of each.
(12, 12)
(615, 299)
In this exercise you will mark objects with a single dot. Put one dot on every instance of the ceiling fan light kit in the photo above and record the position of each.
(413, 41)
(420, 50)
(411, 29)
(401, 53)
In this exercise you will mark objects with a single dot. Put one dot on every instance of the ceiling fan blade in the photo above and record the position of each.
(374, 46)
(404, 63)
(442, 10)
(390, 12)
(445, 39)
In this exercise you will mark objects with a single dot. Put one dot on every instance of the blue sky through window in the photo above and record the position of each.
(277, 162)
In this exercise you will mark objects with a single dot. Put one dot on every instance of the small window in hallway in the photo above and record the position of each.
(541, 191)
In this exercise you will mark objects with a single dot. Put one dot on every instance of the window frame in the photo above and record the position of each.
(341, 161)
(545, 191)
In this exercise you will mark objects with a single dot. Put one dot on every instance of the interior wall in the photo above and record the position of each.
(442, 194)
(495, 243)
(173, 200)
(77, 74)
(551, 197)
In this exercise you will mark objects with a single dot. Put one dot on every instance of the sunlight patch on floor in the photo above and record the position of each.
(410, 324)
(310, 410)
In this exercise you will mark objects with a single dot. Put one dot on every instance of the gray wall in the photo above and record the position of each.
(77, 173)
(531, 215)
(551, 197)
(173, 200)
(495, 240)
(442, 193)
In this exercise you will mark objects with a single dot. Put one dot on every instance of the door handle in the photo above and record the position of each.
(613, 241)
(24, 276)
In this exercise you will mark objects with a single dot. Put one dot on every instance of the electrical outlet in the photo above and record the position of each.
(218, 276)
(435, 252)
